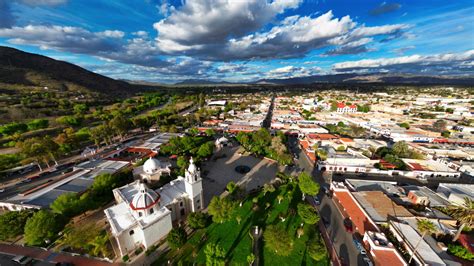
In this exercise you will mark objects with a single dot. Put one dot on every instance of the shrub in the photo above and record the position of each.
(125, 258)
(460, 252)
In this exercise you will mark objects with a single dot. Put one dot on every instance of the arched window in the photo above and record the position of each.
(140, 214)
(131, 232)
(151, 211)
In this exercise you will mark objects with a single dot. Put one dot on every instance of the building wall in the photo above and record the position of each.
(158, 230)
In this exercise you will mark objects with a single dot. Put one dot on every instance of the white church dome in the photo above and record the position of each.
(145, 198)
(151, 166)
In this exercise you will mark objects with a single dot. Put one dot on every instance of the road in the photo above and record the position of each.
(342, 240)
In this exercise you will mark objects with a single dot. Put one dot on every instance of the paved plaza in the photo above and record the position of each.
(220, 170)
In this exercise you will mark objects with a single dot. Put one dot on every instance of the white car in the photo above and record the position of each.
(2, 190)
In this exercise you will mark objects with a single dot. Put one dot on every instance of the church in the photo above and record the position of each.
(142, 216)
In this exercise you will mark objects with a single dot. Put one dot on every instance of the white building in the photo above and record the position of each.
(143, 216)
(152, 170)
(344, 108)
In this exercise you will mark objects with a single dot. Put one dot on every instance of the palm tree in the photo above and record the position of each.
(464, 214)
(280, 198)
(424, 226)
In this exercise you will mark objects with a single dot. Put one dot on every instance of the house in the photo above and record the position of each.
(344, 108)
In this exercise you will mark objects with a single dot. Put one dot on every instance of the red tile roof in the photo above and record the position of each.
(416, 167)
(322, 136)
(358, 217)
(387, 257)
(138, 150)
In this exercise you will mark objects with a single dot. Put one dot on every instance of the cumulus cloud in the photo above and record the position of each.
(292, 72)
(385, 8)
(450, 63)
(232, 30)
(402, 50)
(107, 44)
(199, 25)
(355, 47)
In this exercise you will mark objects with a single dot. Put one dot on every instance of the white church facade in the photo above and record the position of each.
(143, 216)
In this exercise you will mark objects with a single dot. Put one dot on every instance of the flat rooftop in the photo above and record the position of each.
(379, 207)
(412, 238)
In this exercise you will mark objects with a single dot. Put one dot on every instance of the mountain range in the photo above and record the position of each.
(22, 68)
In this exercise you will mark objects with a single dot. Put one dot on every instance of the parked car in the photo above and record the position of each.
(348, 225)
(316, 200)
(23, 260)
(2, 190)
(367, 261)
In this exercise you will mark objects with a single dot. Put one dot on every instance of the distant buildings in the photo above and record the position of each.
(345, 108)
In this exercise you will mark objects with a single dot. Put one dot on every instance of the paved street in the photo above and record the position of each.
(49, 256)
(342, 240)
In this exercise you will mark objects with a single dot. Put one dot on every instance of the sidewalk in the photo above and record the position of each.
(52, 257)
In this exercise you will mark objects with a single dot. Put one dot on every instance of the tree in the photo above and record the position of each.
(316, 249)
(464, 214)
(250, 258)
(210, 132)
(176, 237)
(120, 125)
(205, 150)
(12, 128)
(404, 125)
(80, 109)
(197, 220)
(231, 187)
(12, 223)
(104, 183)
(41, 227)
(280, 198)
(268, 188)
(440, 125)
(307, 185)
(215, 255)
(278, 240)
(401, 149)
(38, 124)
(446, 133)
(221, 209)
(300, 231)
(424, 226)
(67, 204)
(307, 213)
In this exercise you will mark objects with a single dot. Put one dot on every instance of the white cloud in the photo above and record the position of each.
(199, 25)
(450, 62)
(292, 72)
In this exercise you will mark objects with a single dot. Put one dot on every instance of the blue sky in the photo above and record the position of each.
(244, 40)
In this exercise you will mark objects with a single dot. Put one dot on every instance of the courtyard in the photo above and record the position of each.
(220, 170)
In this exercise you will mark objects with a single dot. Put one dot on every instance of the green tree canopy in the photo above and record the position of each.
(278, 240)
(197, 220)
(38, 124)
(307, 213)
(67, 204)
(221, 209)
(215, 255)
(41, 227)
(307, 185)
(316, 249)
(12, 223)
(176, 237)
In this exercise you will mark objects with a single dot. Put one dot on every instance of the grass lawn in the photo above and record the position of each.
(235, 237)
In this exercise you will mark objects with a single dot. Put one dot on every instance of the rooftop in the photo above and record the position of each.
(379, 206)
(359, 218)
(424, 252)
